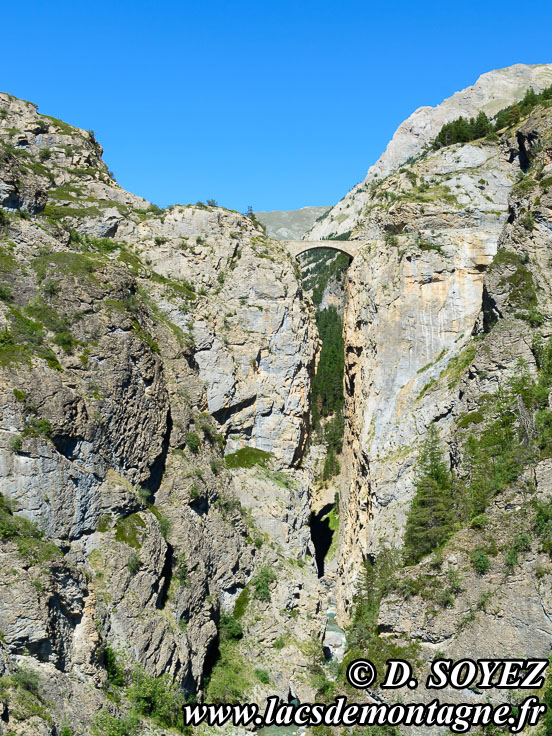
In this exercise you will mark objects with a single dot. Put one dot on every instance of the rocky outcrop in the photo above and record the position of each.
(424, 349)
(492, 92)
(138, 346)
(414, 302)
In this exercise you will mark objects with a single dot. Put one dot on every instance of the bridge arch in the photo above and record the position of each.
(296, 247)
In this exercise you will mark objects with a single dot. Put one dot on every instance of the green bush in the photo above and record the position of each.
(5, 293)
(242, 602)
(262, 676)
(107, 725)
(520, 543)
(65, 341)
(164, 526)
(480, 560)
(229, 627)
(262, 581)
(181, 570)
(157, 698)
(29, 539)
(193, 442)
(230, 678)
(115, 672)
(247, 457)
(16, 443)
(38, 428)
(133, 563)
(27, 679)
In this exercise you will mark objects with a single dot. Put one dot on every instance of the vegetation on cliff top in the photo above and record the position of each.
(463, 130)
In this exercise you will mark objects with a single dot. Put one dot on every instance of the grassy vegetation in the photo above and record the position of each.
(156, 700)
(262, 581)
(129, 530)
(29, 540)
(22, 691)
(231, 676)
(247, 457)
(514, 429)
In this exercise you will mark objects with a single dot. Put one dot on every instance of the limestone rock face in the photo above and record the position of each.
(425, 349)
(138, 346)
(414, 301)
(492, 92)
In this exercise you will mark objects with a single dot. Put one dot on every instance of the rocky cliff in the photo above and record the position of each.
(446, 331)
(492, 92)
(159, 477)
(138, 348)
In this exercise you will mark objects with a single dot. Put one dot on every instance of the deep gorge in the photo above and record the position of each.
(213, 459)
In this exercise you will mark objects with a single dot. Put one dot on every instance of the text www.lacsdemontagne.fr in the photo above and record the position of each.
(459, 718)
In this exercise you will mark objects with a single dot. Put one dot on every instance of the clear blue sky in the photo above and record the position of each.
(274, 104)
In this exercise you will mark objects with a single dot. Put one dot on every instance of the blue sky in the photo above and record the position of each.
(276, 105)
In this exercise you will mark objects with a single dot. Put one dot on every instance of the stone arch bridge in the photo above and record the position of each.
(296, 247)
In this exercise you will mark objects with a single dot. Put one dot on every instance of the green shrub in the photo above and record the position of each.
(193, 443)
(65, 341)
(27, 679)
(5, 293)
(181, 570)
(520, 543)
(230, 677)
(115, 672)
(16, 443)
(157, 698)
(30, 543)
(480, 560)
(133, 563)
(229, 627)
(107, 725)
(479, 522)
(129, 530)
(38, 428)
(164, 526)
(262, 676)
(262, 581)
(242, 602)
(528, 221)
(247, 457)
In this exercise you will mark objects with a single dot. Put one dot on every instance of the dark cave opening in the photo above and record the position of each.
(321, 535)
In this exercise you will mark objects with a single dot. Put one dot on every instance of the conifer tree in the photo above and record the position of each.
(431, 516)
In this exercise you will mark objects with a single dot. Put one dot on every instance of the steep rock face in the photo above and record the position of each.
(492, 92)
(414, 301)
(137, 345)
(485, 593)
